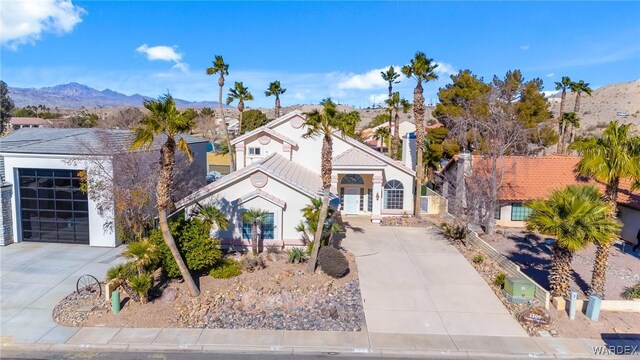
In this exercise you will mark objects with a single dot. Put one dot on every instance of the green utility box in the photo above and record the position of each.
(519, 290)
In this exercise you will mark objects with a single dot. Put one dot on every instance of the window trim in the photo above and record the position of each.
(260, 229)
(252, 151)
(395, 188)
(521, 208)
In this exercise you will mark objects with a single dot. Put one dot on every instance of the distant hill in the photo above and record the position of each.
(75, 96)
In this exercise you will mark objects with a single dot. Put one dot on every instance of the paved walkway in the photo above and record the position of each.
(414, 282)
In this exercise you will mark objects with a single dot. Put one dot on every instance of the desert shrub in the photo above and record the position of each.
(478, 259)
(309, 247)
(121, 272)
(500, 279)
(141, 284)
(273, 249)
(333, 262)
(297, 255)
(631, 292)
(199, 251)
(454, 231)
(228, 268)
(251, 263)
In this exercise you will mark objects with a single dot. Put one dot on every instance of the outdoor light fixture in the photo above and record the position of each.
(377, 196)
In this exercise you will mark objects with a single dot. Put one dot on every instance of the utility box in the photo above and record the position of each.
(518, 290)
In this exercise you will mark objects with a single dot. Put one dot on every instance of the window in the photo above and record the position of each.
(342, 196)
(519, 212)
(369, 200)
(352, 179)
(393, 197)
(254, 151)
(361, 199)
(496, 214)
(265, 230)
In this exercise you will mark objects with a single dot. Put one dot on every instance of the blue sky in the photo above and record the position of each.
(316, 49)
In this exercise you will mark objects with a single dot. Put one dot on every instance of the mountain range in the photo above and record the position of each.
(75, 96)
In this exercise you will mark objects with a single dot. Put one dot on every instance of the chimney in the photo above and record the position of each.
(409, 150)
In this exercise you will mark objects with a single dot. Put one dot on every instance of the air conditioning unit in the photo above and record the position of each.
(518, 290)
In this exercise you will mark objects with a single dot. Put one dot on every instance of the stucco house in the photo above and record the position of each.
(529, 178)
(42, 198)
(278, 170)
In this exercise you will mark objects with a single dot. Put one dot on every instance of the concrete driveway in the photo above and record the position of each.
(34, 277)
(414, 282)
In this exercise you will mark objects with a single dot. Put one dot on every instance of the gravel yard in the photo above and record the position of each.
(281, 296)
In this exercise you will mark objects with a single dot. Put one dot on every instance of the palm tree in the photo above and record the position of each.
(275, 90)
(142, 253)
(396, 103)
(391, 77)
(579, 88)
(219, 67)
(211, 215)
(241, 93)
(563, 85)
(575, 216)
(255, 217)
(311, 213)
(607, 159)
(326, 123)
(165, 119)
(573, 121)
(422, 69)
(382, 134)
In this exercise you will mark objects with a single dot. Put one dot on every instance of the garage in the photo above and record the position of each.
(53, 207)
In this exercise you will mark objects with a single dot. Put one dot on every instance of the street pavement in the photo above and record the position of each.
(421, 300)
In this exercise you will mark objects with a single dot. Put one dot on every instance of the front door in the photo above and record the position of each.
(351, 201)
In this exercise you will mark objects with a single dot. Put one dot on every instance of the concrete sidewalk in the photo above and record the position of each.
(306, 342)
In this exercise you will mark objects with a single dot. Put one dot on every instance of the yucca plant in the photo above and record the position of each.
(297, 255)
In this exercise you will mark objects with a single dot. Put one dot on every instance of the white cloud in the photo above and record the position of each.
(549, 93)
(550, 75)
(444, 68)
(524, 47)
(23, 22)
(164, 53)
(366, 81)
(378, 99)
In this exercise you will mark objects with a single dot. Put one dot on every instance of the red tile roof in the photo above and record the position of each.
(528, 178)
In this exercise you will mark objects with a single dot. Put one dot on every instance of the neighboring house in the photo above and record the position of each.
(405, 127)
(43, 198)
(529, 178)
(278, 170)
(219, 162)
(16, 123)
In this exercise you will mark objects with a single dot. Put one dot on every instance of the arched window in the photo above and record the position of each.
(352, 179)
(393, 195)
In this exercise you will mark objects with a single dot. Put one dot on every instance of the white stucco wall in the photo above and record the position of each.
(98, 236)
(630, 223)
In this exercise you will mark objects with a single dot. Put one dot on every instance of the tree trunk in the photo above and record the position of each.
(576, 107)
(254, 238)
(396, 137)
(418, 115)
(390, 90)
(224, 126)
(389, 140)
(240, 120)
(327, 151)
(561, 125)
(560, 275)
(163, 192)
(600, 263)
(277, 114)
(491, 208)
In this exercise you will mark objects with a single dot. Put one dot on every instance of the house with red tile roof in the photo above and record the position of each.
(529, 178)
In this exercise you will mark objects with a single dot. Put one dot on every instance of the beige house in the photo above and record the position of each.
(278, 170)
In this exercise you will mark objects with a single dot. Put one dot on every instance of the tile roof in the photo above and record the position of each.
(267, 130)
(75, 141)
(355, 157)
(275, 166)
(528, 178)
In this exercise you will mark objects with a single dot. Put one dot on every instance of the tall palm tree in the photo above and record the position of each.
(563, 85)
(396, 103)
(241, 93)
(164, 118)
(275, 90)
(613, 156)
(390, 76)
(326, 123)
(383, 135)
(222, 69)
(255, 217)
(422, 69)
(579, 88)
(573, 121)
(575, 216)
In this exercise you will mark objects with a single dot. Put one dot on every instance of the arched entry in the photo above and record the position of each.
(352, 193)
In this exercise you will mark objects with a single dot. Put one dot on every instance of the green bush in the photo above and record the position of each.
(500, 279)
(309, 247)
(141, 284)
(333, 262)
(297, 255)
(631, 292)
(478, 259)
(199, 251)
(228, 268)
(124, 271)
(251, 263)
